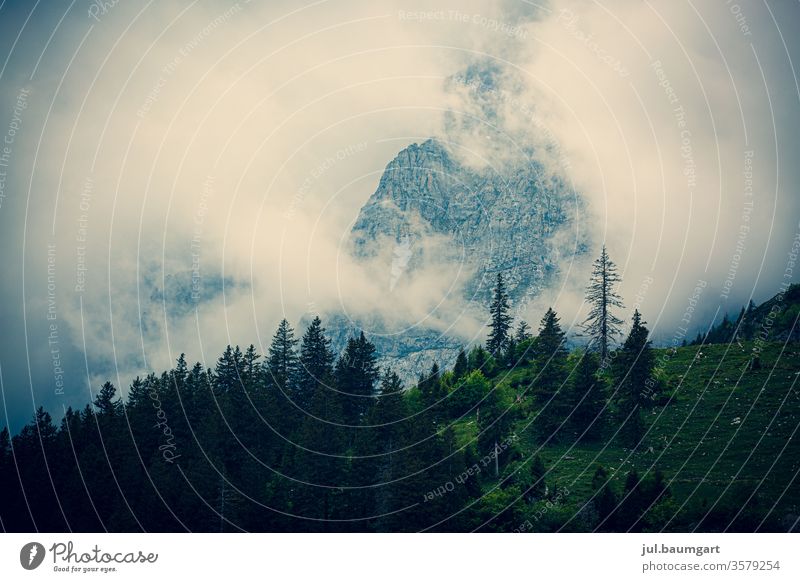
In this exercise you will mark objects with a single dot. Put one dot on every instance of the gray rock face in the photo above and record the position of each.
(430, 208)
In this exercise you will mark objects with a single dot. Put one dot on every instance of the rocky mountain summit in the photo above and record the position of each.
(432, 210)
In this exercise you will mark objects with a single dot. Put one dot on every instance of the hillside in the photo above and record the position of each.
(773, 320)
(537, 439)
(725, 438)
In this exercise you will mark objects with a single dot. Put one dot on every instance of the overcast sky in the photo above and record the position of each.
(143, 141)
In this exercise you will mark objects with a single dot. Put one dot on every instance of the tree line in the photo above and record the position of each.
(303, 439)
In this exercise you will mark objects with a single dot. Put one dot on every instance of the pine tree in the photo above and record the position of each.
(429, 386)
(106, 403)
(509, 357)
(479, 360)
(501, 320)
(461, 367)
(356, 374)
(281, 375)
(250, 374)
(605, 498)
(601, 324)
(588, 398)
(389, 407)
(376, 456)
(551, 375)
(316, 363)
(245, 401)
(282, 363)
(523, 331)
(226, 373)
(633, 370)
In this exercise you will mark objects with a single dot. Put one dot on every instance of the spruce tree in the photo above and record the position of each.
(605, 498)
(461, 367)
(633, 369)
(429, 386)
(380, 445)
(282, 363)
(501, 320)
(281, 371)
(601, 324)
(320, 461)
(551, 374)
(479, 360)
(390, 408)
(106, 402)
(226, 372)
(523, 331)
(316, 363)
(356, 374)
(509, 356)
(588, 398)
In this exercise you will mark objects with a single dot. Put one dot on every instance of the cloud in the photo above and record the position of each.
(233, 144)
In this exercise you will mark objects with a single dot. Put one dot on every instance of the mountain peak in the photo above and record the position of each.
(431, 210)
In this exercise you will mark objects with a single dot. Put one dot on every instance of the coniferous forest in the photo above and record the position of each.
(530, 432)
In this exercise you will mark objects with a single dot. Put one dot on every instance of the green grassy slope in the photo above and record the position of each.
(723, 435)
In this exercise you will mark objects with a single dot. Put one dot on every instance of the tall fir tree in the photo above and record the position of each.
(523, 331)
(633, 378)
(106, 402)
(601, 324)
(316, 363)
(356, 373)
(551, 374)
(282, 362)
(604, 498)
(281, 371)
(588, 398)
(500, 319)
(429, 386)
(227, 370)
(461, 367)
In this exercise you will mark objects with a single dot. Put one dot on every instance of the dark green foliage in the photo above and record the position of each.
(500, 319)
(633, 379)
(356, 374)
(496, 416)
(523, 331)
(588, 399)
(467, 394)
(604, 500)
(538, 485)
(773, 320)
(282, 373)
(106, 402)
(550, 390)
(282, 364)
(479, 359)
(316, 364)
(430, 387)
(461, 366)
(226, 450)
